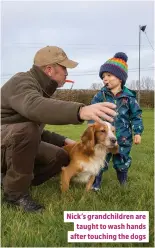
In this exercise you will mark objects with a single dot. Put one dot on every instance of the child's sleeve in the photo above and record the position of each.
(136, 117)
(96, 99)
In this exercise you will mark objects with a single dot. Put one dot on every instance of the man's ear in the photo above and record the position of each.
(88, 140)
(114, 150)
(47, 70)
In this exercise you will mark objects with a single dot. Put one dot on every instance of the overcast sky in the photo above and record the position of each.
(90, 32)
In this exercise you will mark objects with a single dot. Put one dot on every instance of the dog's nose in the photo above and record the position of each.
(113, 140)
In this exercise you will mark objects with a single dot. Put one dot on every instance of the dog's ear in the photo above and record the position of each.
(88, 140)
(114, 150)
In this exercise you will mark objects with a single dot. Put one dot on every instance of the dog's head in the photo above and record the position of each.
(103, 134)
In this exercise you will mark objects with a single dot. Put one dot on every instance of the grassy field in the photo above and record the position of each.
(20, 229)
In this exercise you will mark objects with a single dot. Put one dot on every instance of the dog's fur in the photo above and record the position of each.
(87, 156)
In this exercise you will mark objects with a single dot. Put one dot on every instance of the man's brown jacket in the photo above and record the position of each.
(26, 97)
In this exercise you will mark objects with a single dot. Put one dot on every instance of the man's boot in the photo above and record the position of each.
(25, 202)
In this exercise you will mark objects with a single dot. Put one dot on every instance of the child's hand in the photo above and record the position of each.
(137, 139)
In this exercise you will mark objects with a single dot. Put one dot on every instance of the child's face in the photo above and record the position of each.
(111, 81)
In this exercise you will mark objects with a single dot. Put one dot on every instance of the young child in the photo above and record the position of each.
(114, 73)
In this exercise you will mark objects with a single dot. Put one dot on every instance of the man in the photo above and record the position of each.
(31, 155)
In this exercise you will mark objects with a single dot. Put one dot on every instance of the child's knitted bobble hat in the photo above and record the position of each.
(116, 66)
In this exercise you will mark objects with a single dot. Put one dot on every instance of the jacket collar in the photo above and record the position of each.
(124, 93)
(48, 85)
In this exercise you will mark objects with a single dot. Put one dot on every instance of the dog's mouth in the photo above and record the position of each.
(113, 146)
(112, 143)
(108, 145)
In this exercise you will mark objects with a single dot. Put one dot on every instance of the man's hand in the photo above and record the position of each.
(98, 111)
(69, 142)
(137, 139)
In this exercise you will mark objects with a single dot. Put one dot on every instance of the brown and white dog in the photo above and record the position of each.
(87, 156)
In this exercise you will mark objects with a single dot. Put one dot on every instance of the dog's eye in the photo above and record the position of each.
(103, 131)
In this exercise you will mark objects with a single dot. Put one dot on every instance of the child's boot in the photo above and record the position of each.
(98, 179)
(122, 176)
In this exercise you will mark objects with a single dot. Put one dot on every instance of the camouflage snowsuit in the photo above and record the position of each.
(128, 119)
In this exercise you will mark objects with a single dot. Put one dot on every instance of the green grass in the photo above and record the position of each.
(49, 230)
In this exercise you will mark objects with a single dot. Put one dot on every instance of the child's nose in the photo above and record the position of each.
(105, 80)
